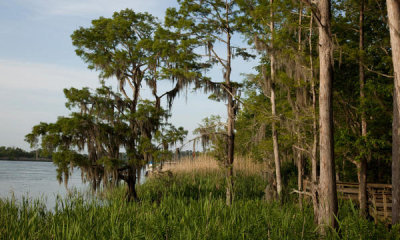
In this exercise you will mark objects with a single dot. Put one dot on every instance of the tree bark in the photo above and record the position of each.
(273, 106)
(393, 8)
(362, 190)
(327, 185)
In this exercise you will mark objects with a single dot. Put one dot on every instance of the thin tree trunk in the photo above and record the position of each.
(393, 8)
(300, 160)
(314, 183)
(231, 117)
(231, 139)
(273, 106)
(327, 182)
(300, 173)
(362, 190)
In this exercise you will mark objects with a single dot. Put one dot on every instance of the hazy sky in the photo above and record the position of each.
(37, 61)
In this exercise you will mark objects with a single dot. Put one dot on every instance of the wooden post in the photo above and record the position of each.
(375, 215)
(385, 210)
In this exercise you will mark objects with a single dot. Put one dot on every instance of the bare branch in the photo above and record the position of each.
(301, 192)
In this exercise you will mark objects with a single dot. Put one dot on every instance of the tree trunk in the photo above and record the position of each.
(314, 180)
(327, 182)
(300, 174)
(231, 144)
(177, 154)
(273, 106)
(299, 95)
(362, 187)
(131, 181)
(393, 8)
(231, 116)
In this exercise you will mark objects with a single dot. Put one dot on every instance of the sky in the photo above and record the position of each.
(37, 61)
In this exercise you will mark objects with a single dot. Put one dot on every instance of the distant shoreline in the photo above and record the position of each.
(26, 160)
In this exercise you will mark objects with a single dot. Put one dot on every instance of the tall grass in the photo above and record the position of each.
(206, 163)
(184, 205)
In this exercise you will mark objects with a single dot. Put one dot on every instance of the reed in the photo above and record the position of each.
(206, 163)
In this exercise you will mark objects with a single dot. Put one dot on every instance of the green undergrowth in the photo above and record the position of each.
(183, 206)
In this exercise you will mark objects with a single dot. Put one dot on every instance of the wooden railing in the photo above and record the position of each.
(379, 197)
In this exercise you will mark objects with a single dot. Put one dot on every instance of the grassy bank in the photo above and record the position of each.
(185, 205)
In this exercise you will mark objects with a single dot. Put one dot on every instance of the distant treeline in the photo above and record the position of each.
(15, 153)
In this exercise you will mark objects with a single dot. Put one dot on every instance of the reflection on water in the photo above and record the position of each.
(39, 180)
(35, 179)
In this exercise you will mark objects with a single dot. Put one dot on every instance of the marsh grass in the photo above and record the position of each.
(184, 205)
(206, 163)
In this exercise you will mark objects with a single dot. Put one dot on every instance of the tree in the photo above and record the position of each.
(135, 49)
(212, 133)
(362, 192)
(254, 137)
(260, 30)
(273, 105)
(100, 125)
(362, 43)
(314, 148)
(327, 186)
(393, 9)
(285, 80)
(212, 23)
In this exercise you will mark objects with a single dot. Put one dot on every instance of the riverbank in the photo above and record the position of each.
(187, 204)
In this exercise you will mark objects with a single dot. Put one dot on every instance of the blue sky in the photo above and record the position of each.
(37, 61)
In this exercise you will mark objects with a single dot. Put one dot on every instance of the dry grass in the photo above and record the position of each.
(206, 163)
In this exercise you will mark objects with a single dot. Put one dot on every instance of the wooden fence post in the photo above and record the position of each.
(385, 211)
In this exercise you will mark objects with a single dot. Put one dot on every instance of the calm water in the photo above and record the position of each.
(36, 180)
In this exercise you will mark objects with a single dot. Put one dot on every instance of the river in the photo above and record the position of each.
(35, 180)
(38, 180)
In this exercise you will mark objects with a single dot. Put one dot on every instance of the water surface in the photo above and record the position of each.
(35, 180)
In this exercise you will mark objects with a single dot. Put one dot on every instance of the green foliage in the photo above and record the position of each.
(134, 47)
(111, 45)
(212, 25)
(101, 123)
(350, 145)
